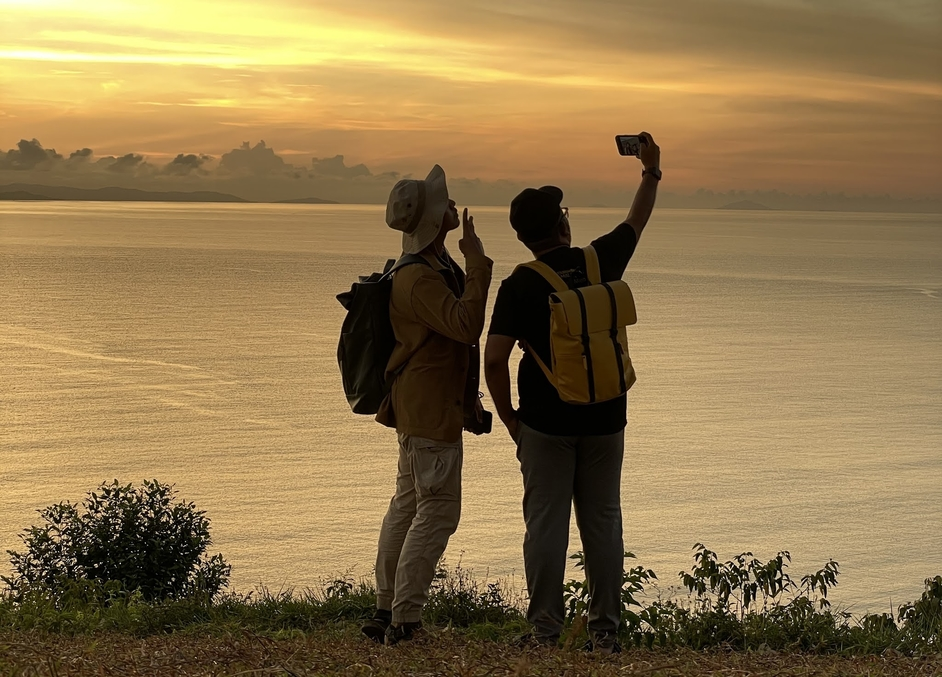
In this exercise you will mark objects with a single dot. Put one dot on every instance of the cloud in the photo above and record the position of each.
(258, 173)
(838, 37)
(743, 93)
(82, 155)
(255, 172)
(335, 167)
(258, 160)
(182, 165)
(28, 155)
(126, 164)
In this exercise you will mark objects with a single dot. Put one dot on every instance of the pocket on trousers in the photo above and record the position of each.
(437, 468)
(518, 436)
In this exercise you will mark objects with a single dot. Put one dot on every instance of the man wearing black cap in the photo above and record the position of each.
(568, 453)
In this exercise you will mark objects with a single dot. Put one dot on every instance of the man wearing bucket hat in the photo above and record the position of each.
(569, 453)
(437, 314)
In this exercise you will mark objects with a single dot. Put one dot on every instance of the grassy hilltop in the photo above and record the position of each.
(471, 630)
(121, 584)
(339, 651)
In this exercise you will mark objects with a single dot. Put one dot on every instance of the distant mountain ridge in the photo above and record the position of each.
(467, 191)
(34, 192)
(16, 191)
(21, 195)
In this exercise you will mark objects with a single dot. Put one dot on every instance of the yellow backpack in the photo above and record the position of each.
(588, 341)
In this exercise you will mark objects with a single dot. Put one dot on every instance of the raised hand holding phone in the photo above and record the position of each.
(649, 153)
(469, 243)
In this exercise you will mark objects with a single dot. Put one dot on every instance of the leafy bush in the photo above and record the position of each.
(745, 603)
(921, 630)
(576, 597)
(125, 541)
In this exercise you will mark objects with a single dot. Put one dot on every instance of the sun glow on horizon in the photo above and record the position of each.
(739, 94)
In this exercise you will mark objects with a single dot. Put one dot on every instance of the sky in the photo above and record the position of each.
(800, 96)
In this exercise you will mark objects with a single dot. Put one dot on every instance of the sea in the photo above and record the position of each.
(789, 393)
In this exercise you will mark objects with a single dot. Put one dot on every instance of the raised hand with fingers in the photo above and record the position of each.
(470, 243)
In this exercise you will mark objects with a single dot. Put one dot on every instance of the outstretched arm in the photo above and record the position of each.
(497, 374)
(643, 204)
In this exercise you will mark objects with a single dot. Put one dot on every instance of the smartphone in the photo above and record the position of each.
(487, 423)
(629, 144)
(482, 427)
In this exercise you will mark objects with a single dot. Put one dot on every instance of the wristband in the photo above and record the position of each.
(653, 171)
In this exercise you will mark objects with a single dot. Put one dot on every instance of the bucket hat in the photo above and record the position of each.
(417, 208)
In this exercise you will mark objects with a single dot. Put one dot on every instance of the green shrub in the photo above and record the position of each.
(921, 621)
(457, 599)
(635, 616)
(745, 603)
(124, 541)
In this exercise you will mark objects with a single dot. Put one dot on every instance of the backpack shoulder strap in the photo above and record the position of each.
(548, 274)
(592, 268)
(550, 376)
(559, 285)
(406, 260)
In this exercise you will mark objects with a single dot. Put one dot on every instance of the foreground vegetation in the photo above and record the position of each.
(715, 615)
(472, 629)
(125, 587)
(341, 651)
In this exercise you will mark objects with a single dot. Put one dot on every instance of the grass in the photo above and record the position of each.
(739, 617)
(120, 585)
(339, 650)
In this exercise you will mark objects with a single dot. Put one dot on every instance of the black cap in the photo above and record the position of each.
(534, 213)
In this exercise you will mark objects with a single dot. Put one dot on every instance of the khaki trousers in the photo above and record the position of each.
(422, 516)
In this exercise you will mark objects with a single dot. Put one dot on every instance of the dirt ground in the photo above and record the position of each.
(443, 653)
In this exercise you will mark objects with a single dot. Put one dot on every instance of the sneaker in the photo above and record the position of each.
(401, 632)
(375, 628)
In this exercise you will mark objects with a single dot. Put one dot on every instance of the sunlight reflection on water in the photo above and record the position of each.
(788, 393)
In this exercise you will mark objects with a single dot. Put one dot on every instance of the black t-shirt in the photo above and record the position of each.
(522, 312)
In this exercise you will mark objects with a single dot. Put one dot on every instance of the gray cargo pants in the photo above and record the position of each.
(558, 472)
(422, 516)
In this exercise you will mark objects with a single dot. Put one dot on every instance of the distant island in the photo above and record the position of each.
(745, 204)
(307, 201)
(22, 195)
(702, 199)
(114, 194)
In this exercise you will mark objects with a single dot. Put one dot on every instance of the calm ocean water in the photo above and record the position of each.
(788, 397)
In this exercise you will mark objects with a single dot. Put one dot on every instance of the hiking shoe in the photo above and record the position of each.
(607, 649)
(401, 632)
(604, 646)
(531, 641)
(375, 628)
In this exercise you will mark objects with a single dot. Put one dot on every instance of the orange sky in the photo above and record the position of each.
(795, 95)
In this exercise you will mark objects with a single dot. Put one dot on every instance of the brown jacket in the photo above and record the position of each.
(435, 326)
